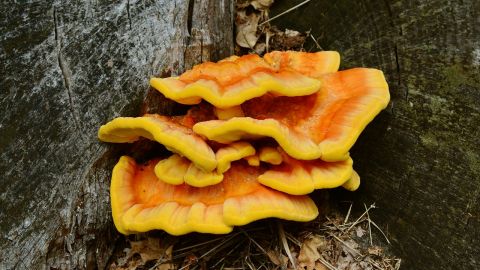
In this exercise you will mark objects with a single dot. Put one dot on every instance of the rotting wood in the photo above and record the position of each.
(66, 69)
(420, 159)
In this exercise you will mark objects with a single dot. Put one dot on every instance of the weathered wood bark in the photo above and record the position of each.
(66, 68)
(420, 159)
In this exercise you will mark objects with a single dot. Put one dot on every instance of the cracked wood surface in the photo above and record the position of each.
(420, 159)
(66, 68)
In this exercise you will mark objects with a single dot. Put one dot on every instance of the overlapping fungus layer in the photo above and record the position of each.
(273, 129)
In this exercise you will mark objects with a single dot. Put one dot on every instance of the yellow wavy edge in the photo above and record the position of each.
(253, 160)
(172, 169)
(243, 210)
(177, 219)
(299, 147)
(270, 155)
(259, 84)
(353, 183)
(235, 151)
(193, 93)
(301, 182)
(176, 170)
(188, 145)
(240, 128)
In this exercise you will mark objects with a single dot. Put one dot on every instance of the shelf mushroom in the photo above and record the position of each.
(225, 169)
(324, 125)
(140, 202)
(177, 170)
(166, 130)
(233, 81)
(298, 177)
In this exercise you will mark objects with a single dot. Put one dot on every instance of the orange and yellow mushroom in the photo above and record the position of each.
(270, 130)
(177, 170)
(324, 125)
(141, 202)
(168, 131)
(298, 177)
(231, 82)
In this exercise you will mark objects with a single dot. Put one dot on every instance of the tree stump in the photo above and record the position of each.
(420, 159)
(67, 68)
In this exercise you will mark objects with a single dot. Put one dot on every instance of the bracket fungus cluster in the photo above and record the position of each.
(262, 133)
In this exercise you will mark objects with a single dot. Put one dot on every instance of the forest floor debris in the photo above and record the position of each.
(334, 242)
(254, 33)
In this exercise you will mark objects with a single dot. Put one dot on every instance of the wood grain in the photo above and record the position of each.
(67, 68)
(420, 159)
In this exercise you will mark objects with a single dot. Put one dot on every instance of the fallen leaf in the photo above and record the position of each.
(375, 250)
(288, 40)
(309, 252)
(261, 4)
(359, 231)
(247, 29)
(292, 33)
(241, 4)
(350, 246)
(277, 258)
(145, 251)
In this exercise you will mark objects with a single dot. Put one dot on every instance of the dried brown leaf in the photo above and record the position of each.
(287, 40)
(375, 250)
(261, 4)
(247, 29)
(359, 231)
(310, 251)
(277, 258)
(292, 33)
(144, 251)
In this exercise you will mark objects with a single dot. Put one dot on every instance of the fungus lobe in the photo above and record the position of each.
(233, 81)
(140, 202)
(324, 125)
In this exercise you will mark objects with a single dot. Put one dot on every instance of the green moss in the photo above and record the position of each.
(429, 139)
(456, 75)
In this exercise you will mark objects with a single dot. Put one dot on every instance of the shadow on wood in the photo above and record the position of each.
(419, 160)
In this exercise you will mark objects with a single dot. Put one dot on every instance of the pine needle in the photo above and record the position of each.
(285, 12)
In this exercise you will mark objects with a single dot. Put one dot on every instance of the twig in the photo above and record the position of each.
(199, 244)
(215, 247)
(293, 239)
(249, 263)
(345, 244)
(285, 245)
(228, 253)
(351, 204)
(327, 264)
(358, 219)
(320, 47)
(378, 228)
(374, 264)
(369, 225)
(285, 12)
(334, 224)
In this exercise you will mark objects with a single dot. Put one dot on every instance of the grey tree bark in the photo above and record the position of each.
(420, 159)
(66, 68)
